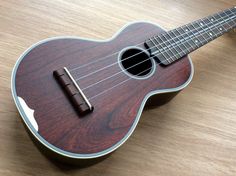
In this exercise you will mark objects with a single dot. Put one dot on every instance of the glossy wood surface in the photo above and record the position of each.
(192, 135)
(116, 100)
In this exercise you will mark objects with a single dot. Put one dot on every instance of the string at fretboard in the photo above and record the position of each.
(173, 45)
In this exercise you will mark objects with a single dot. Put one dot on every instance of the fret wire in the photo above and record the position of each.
(198, 20)
(184, 33)
(209, 38)
(193, 33)
(232, 23)
(195, 40)
(228, 25)
(219, 31)
(177, 55)
(199, 45)
(213, 35)
(183, 39)
(175, 32)
(216, 30)
(230, 11)
(184, 54)
(210, 30)
(221, 17)
(170, 44)
(203, 30)
(176, 40)
(153, 43)
(212, 17)
(178, 49)
(191, 30)
(163, 54)
(191, 43)
(165, 45)
(233, 12)
(172, 35)
(226, 21)
(225, 15)
(207, 26)
(216, 18)
(229, 16)
(200, 24)
(212, 26)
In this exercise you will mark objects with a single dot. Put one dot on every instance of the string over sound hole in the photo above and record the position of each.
(136, 63)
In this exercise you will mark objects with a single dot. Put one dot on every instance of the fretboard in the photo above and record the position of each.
(174, 44)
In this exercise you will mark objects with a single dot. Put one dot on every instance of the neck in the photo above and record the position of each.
(174, 44)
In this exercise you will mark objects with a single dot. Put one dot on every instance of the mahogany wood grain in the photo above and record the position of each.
(114, 111)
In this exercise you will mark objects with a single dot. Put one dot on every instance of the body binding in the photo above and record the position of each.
(60, 132)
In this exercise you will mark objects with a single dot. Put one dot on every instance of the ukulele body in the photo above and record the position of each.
(54, 123)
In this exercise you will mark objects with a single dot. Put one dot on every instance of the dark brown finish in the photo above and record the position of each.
(72, 92)
(114, 111)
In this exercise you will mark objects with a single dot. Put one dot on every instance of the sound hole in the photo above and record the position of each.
(136, 62)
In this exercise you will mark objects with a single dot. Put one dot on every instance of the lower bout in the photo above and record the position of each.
(59, 159)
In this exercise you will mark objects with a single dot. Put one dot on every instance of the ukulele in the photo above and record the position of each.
(81, 99)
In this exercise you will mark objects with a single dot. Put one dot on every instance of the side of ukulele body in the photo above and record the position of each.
(53, 121)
